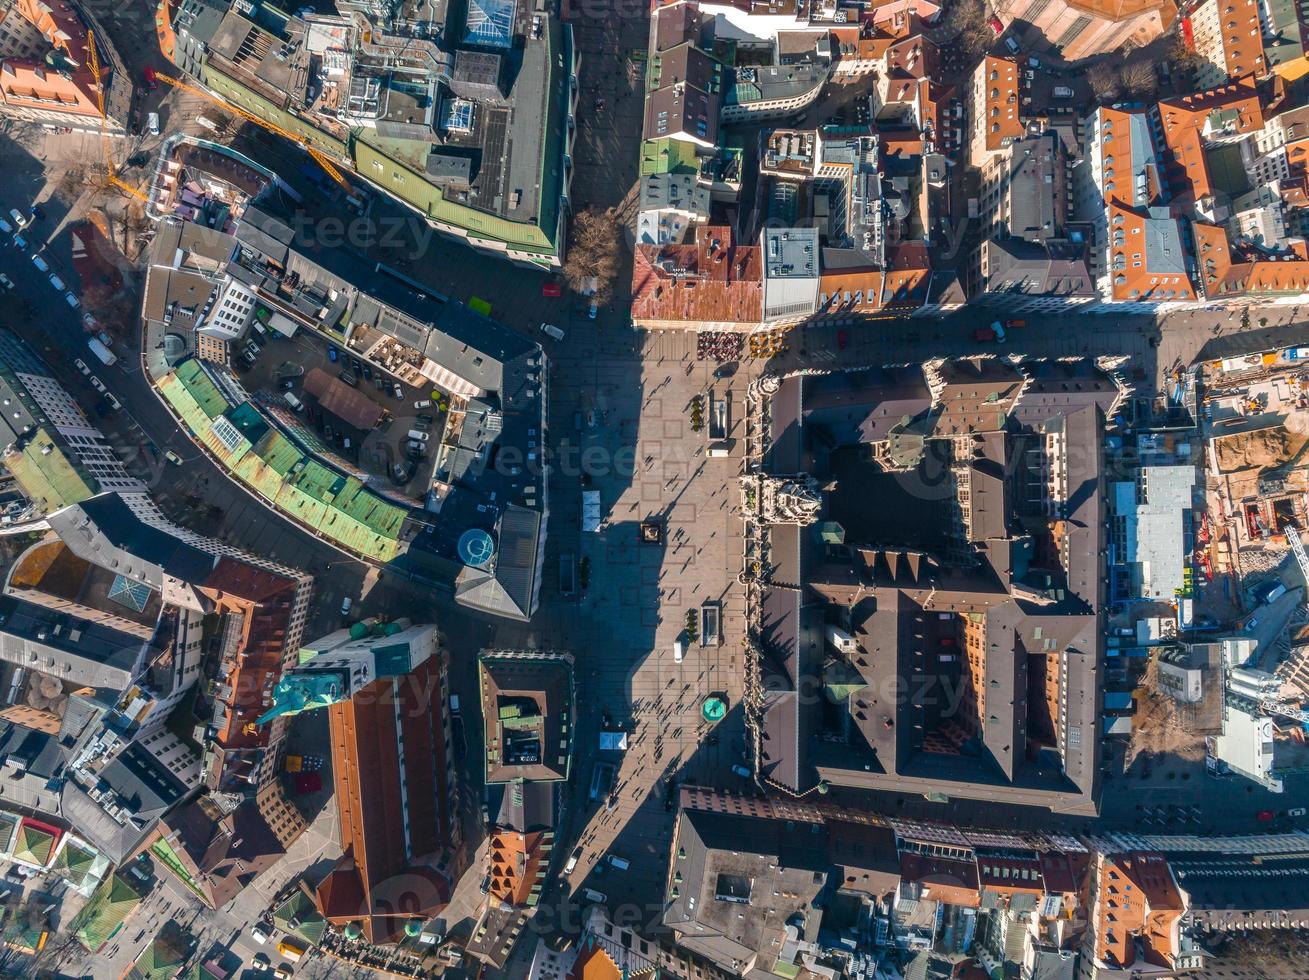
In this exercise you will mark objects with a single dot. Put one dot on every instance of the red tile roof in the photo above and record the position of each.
(1145, 256)
(377, 817)
(1184, 123)
(1136, 896)
(1224, 272)
(999, 113)
(1243, 47)
(710, 281)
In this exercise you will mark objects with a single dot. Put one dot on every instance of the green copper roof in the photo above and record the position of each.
(33, 846)
(668, 156)
(74, 863)
(104, 914)
(304, 691)
(191, 375)
(163, 958)
(49, 478)
(299, 908)
(392, 660)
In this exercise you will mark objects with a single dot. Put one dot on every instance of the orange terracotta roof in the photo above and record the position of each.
(1243, 47)
(1119, 163)
(1223, 272)
(1137, 896)
(1184, 123)
(1146, 259)
(908, 273)
(999, 115)
(912, 57)
(856, 44)
(35, 84)
(850, 291)
(1122, 9)
(376, 814)
(594, 963)
(710, 281)
(516, 865)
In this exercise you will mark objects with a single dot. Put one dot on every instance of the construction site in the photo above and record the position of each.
(1255, 414)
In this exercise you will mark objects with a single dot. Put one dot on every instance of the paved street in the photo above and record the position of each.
(620, 425)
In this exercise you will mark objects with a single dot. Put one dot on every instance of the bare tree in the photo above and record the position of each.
(967, 24)
(1139, 79)
(1104, 79)
(70, 185)
(592, 261)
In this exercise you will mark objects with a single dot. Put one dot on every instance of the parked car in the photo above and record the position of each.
(549, 329)
(423, 403)
(350, 378)
(81, 366)
(741, 771)
(1263, 816)
(6, 281)
(20, 219)
(572, 861)
(173, 458)
(398, 392)
(332, 354)
(258, 934)
(346, 605)
(552, 288)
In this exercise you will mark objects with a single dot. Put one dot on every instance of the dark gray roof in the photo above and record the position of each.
(510, 589)
(107, 532)
(525, 806)
(784, 869)
(142, 782)
(36, 753)
(1035, 269)
(449, 168)
(70, 647)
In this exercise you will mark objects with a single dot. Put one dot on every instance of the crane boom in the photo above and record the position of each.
(93, 60)
(319, 157)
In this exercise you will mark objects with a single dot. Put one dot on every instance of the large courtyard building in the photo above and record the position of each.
(474, 131)
(976, 581)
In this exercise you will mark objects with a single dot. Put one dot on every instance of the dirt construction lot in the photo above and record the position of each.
(1258, 449)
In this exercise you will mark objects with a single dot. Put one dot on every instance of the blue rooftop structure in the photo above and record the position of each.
(490, 23)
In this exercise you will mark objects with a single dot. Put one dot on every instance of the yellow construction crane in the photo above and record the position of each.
(94, 61)
(321, 158)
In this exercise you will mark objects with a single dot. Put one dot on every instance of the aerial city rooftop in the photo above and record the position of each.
(706, 489)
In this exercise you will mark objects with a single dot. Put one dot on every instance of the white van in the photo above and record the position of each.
(621, 864)
(718, 450)
(295, 403)
(551, 330)
(56, 282)
(152, 123)
(417, 435)
(72, 300)
(591, 895)
(572, 861)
